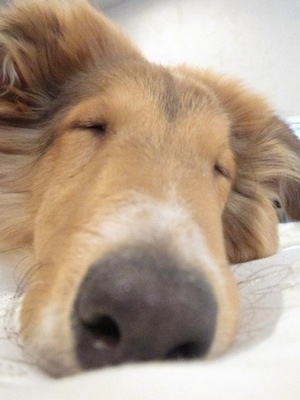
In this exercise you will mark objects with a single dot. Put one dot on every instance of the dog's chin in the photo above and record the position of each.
(47, 341)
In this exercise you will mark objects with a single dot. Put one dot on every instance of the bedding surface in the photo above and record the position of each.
(264, 362)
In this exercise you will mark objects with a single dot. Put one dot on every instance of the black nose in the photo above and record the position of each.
(138, 304)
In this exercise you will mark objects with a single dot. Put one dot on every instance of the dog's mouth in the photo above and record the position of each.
(136, 304)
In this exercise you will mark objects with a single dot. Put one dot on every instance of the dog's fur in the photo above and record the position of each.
(99, 147)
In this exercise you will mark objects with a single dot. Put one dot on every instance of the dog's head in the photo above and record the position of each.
(134, 185)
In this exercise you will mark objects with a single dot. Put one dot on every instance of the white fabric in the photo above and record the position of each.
(263, 364)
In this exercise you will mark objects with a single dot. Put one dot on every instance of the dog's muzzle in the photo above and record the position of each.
(137, 304)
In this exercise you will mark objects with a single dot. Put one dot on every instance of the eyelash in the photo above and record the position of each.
(221, 171)
(97, 128)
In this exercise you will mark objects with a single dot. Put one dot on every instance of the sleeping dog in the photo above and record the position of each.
(134, 186)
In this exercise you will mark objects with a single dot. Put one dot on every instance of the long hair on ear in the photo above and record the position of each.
(268, 165)
(267, 155)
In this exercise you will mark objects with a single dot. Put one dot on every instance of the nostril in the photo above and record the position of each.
(186, 351)
(104, 329)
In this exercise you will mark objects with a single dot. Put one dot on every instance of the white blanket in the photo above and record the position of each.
(263, 364)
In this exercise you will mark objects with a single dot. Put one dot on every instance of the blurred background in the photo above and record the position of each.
(257, 41)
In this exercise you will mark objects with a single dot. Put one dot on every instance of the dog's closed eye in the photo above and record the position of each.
(220, 170)
(97, 128)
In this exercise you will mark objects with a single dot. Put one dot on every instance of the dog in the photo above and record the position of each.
(134, 186)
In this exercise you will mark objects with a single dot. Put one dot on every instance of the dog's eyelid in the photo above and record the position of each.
(96, 127)
(219, 169)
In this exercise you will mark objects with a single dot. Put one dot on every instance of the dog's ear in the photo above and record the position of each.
(268, 165)
(267, 155)
(42, 43)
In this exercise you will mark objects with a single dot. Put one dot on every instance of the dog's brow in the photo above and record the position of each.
(175, 98)
(170, 98)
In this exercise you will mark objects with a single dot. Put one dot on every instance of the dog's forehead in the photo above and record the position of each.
(135, 82)
(147, 103)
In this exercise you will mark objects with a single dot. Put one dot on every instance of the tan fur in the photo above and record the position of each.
(64, 67)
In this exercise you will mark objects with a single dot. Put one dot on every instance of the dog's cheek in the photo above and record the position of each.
(44, 325)
(250, 227)
(60, 175)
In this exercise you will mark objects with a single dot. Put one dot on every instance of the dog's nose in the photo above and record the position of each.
(139, 304)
